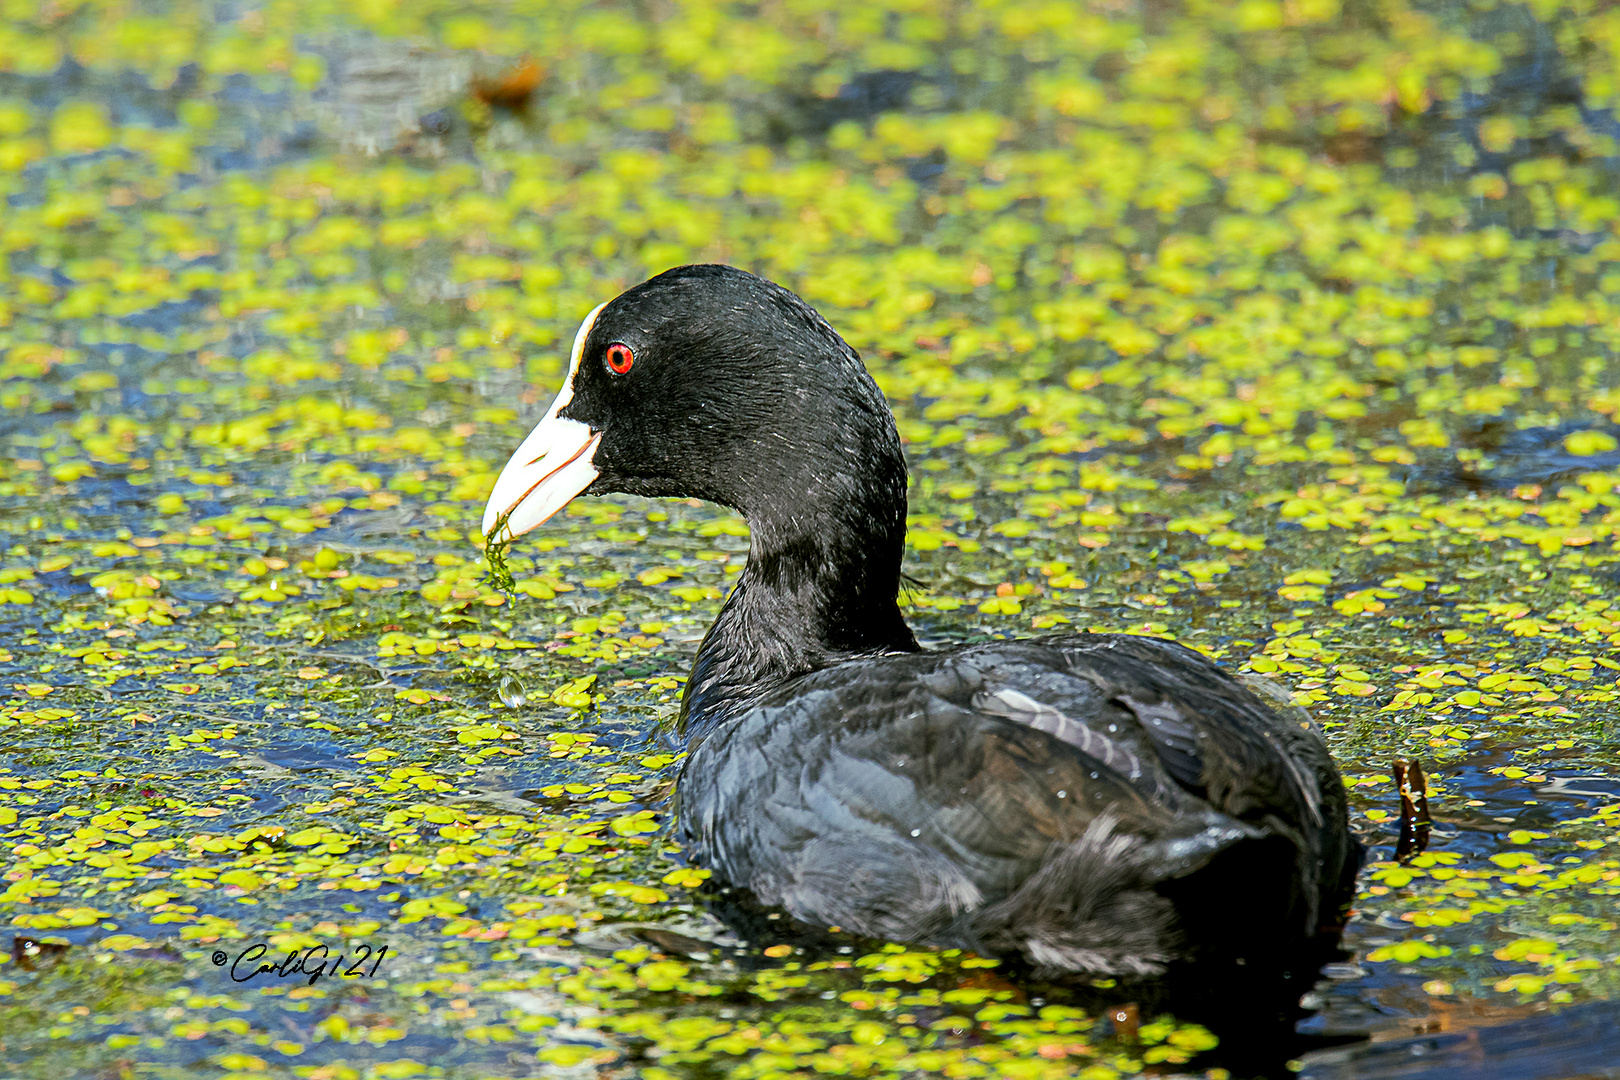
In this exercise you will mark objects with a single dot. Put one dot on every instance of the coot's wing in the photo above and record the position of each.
(1254, 759)
(1191, 741)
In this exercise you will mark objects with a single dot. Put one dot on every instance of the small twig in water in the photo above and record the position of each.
(1415, 820)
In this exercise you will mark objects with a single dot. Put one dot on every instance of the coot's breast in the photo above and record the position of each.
(1009, 793)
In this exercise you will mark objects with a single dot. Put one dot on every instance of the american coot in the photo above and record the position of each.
(1086, 800)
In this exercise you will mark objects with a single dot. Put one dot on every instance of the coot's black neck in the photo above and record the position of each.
(820, 585)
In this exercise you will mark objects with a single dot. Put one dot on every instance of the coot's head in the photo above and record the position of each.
(708, 382)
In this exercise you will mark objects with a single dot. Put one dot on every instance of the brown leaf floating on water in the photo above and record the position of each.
(512, 88)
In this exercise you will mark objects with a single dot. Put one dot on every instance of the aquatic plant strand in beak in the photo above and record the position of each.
(500, 575)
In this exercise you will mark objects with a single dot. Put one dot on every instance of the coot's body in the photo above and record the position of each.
(1020, 797)
(1087, 801)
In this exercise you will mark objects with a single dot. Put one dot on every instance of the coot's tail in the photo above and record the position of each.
(1114, 903)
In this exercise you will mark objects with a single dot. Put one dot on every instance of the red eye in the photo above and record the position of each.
(619, 358)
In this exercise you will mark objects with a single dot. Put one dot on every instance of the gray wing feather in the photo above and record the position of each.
(1012, 705)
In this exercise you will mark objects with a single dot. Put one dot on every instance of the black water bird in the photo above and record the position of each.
(1094, 803)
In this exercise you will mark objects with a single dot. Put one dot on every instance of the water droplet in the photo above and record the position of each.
(513, 696)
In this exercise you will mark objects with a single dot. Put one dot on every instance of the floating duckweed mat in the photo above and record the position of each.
(1288, 329)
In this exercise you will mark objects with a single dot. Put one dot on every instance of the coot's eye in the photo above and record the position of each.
(619, 358)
